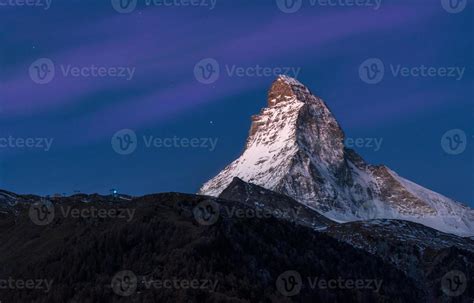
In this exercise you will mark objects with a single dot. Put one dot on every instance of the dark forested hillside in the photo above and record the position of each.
(236, 259)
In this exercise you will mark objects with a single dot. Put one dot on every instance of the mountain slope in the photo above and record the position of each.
(163, 241)
(296, 147)
(413, 248)
(278, 205)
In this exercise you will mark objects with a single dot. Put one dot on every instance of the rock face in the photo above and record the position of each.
(411, 247)
(274, 204)
(296, 148)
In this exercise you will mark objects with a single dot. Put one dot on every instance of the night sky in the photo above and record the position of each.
(147, 80)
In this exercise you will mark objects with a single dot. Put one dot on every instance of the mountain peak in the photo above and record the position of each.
(285, 88)
(296, 124)
(296, 148)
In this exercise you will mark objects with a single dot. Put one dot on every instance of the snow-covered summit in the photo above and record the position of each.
(296, 147)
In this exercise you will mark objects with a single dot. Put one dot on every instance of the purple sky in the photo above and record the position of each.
(163, 44)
